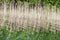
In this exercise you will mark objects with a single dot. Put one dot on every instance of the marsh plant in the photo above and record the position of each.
(29, 20)
(28, 34)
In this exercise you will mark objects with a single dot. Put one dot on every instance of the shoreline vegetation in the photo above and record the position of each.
(32, 3)
(29, 20)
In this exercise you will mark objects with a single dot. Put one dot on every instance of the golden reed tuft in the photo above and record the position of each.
(23, 16)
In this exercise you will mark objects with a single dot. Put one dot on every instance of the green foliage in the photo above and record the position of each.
(34, 1)
(28, 34)
(0, 2)
(8, 1)
(41, 2)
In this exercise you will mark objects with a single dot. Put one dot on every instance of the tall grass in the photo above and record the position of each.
(34, 2)
(28, 34)
(22, 22)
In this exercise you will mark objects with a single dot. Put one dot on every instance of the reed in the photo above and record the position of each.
(26, 21)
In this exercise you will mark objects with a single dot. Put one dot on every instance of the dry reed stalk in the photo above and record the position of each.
(25, 17)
